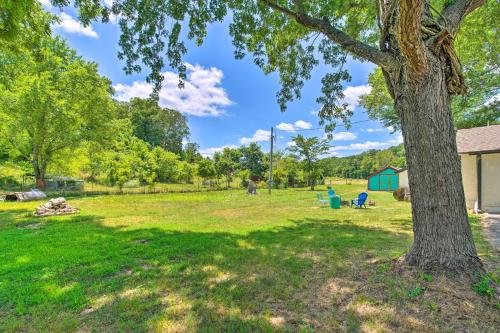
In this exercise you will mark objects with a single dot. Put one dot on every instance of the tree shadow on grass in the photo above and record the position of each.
(74, 273)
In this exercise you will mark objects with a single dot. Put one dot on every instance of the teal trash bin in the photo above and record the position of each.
(335, 202)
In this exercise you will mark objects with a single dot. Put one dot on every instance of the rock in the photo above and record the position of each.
(57, 206)
(252, 188)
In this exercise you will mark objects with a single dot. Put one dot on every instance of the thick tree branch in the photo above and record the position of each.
(353, 46)
(456, 11)
(409, 36)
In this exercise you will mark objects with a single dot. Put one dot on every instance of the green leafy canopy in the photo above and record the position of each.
(154, 33)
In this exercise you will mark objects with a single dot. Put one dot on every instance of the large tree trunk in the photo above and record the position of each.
(442, 235)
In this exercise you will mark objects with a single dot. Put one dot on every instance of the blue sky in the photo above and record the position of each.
(229, 102)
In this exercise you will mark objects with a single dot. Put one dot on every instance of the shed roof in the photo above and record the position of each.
(383, 169)
(479, 139)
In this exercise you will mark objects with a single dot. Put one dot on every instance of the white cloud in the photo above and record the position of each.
(291, 143)
(202, 94)
(286, 127)
(112, 17)
(45, 3)
(372, 130)
(209, 152)
(299, 124)
(344, 136)
(72, 26)
(352, 94)
(362, 146)
(390, 129)
(259, 136)
(302, 124)
(399, 139)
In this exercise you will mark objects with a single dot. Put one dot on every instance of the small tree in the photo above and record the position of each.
(252, 159)
(167, 165)
(308, 151)
(186, 172)
(206, 169)
(191, 152)
(227, 163)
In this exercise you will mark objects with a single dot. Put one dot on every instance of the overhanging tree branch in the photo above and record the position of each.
(456, 11)
(350, 44)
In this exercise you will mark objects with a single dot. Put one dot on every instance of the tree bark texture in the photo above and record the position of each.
(442, 235)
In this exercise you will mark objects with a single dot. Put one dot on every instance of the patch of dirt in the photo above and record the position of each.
(125, 272)
(375, 296)
(30, 226)
(277, 321)
(141, 241)
(87, 311)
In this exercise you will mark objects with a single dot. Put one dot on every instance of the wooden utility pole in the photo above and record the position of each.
(270, 185)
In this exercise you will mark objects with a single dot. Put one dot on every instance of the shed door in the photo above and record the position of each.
(393, 182)
(384, 182)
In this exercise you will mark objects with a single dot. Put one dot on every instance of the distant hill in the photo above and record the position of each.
(361, 165)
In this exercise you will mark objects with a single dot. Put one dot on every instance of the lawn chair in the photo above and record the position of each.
(360, 201)
(321, 199)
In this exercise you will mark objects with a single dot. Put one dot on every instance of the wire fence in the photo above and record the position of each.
(94, 189)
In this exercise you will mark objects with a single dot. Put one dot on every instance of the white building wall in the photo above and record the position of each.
(403, 179)
(490, 183)
(469, 179)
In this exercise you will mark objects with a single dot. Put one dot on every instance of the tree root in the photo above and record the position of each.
(453, 267)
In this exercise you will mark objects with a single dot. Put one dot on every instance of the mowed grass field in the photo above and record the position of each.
(225, 262)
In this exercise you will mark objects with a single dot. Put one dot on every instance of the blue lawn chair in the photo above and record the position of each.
(360, 201)
(321, 199)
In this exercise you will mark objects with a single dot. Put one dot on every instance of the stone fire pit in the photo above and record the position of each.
(57, 206)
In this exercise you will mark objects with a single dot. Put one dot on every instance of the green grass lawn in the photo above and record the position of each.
(224, 262)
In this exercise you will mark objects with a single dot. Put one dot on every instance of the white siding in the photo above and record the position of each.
(469, 178)
(490, 183)
(403, 179)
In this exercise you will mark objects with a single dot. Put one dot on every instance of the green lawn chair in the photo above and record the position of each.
(321, 199)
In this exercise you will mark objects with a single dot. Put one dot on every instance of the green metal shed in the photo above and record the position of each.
(385, 179)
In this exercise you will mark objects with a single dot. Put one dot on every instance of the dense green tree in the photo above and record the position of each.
(227, 163)
(253, 159)
(22, 23)
(309, 150)
(167, 165)
(206, 169)
(361, 165)
(144, 164)
(55, 101)
(160, 127)
(186, 172)
(191, 152)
